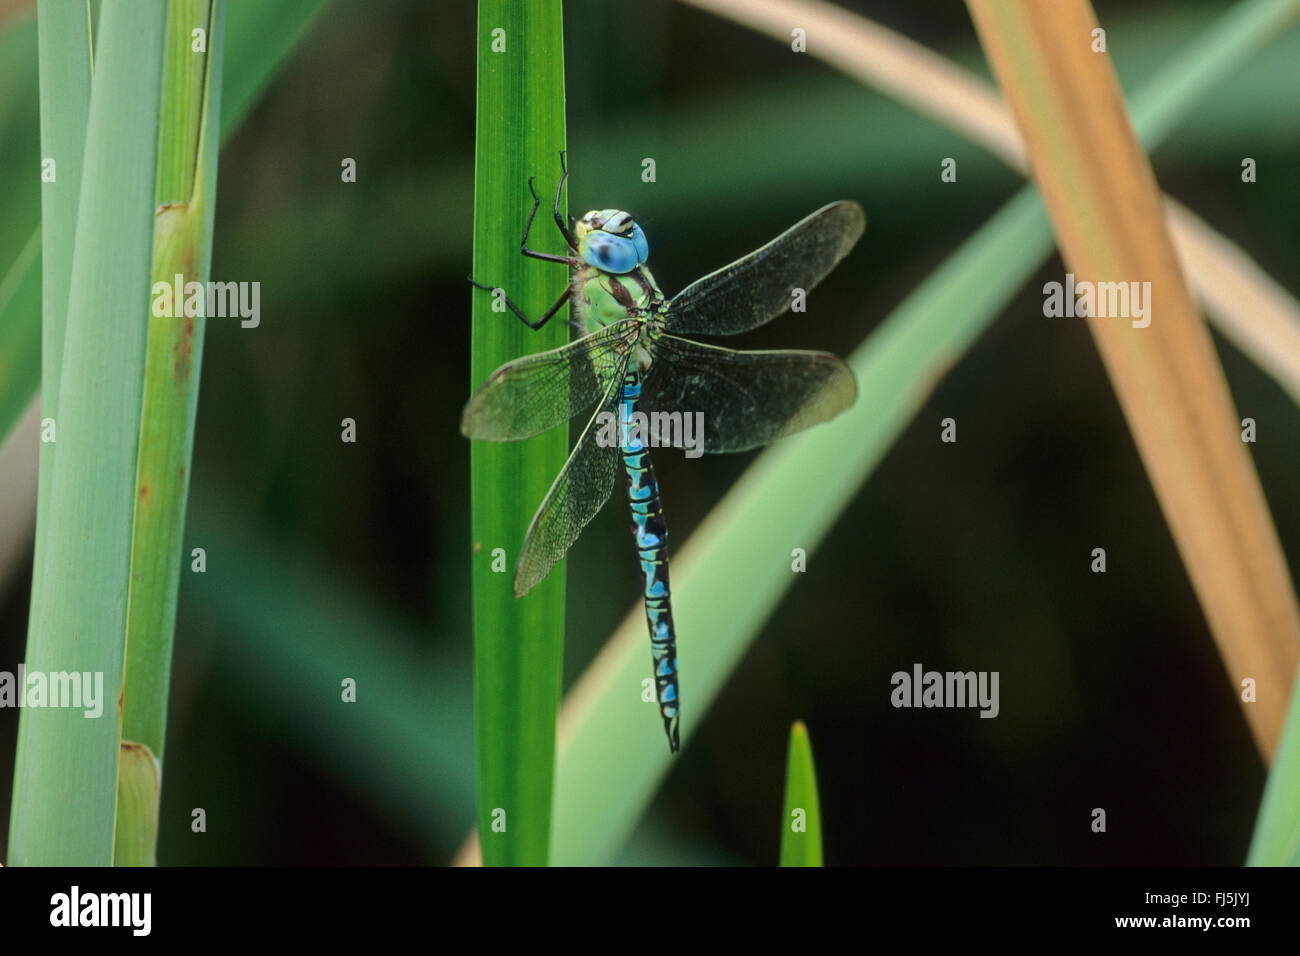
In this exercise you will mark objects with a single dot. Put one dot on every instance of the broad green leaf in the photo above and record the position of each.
(65, 786)
(518, 643)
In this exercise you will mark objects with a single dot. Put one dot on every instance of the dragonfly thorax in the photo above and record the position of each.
(603, 298)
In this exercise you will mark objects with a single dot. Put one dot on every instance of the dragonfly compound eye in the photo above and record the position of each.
(638, 240)
(610, 253)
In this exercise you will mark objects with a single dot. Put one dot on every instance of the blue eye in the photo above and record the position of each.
(611, 253)
(638, 240)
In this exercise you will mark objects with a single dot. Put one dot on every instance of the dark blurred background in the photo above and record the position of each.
(326, 559)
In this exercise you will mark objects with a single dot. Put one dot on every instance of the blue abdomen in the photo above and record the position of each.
(651, 534)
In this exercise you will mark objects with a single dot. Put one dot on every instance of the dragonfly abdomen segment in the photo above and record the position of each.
(651, 534)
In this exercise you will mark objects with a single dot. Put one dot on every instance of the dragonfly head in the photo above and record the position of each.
(610, 240)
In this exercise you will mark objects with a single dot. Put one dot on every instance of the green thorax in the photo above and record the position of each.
(604, 298)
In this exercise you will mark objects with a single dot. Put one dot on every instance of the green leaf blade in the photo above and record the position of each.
(1276, 841)
(66, 786)
(518, 644)
(182, 245)
(801, 833)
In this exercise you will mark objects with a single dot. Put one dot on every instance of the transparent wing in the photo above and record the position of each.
(747, 398)
(535, 393)
(757, 288)
(579, 491)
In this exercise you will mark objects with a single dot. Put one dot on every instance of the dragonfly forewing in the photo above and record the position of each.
(746, 399)
(535, 393)
(577, 494)
(757, 288)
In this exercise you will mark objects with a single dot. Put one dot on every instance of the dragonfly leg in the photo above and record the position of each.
(519, 313)
(565, 231)
(523, 243)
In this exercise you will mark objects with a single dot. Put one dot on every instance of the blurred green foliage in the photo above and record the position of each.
(966, 556)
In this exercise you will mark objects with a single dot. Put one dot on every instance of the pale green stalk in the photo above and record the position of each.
(65, 786)
(186, 192)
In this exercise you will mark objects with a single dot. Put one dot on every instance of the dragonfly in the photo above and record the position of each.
(633, 357)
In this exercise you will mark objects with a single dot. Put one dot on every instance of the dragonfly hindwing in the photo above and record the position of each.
(577, 494)
(746, 399)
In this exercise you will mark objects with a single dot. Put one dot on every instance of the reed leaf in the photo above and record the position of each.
(518, 644)
(801, 824)
(63, 31)
(1108, 217)
(1277, 830)
(65, 99)
(261, 36)
(185, 194)
(65, 73)
(65, 786)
